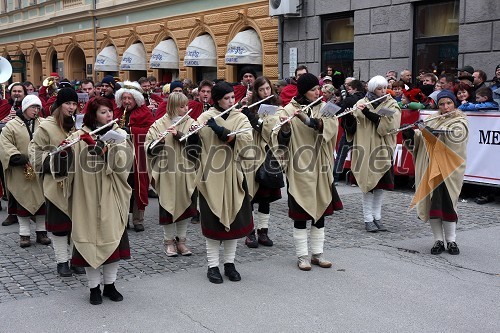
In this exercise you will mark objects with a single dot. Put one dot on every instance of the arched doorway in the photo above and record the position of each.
(53, 63)
(37, 76)
(76, 64)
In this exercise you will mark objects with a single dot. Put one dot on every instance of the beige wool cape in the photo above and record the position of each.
(173, 174)
(48, 136)
(100, 198)
(373, 149)
(15, 140)
(308, 165)
(457, 142)
(220, 175)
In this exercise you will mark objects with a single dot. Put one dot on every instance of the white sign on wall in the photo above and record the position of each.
(293, 60)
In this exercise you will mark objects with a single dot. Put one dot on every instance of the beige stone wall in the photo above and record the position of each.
(222, 25)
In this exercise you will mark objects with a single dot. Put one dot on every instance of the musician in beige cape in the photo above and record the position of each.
(224, 199)
(373, 148)
(100, 200)
(172, 174)
(20, 176)
(439, 207)
(51, 133)
(310, 138)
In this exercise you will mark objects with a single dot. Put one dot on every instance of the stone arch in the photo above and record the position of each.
(133, 75)
(35, 73)
(76, 62)
(166, 75)
(51, 63)
(199, 30)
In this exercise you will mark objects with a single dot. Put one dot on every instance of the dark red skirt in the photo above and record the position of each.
(442, 206)
(266, 195)
(166, 217)
(387, 181)
(56, 220)
(22, 212)
(297, 213)
(122, 252)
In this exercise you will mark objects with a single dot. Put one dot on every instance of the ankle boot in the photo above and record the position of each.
(319, 259)
(169, 248)
(95, 296)
(11, 219)
(251, 240)
(263, 238)
(41, 237)
(138, 220)
(231, 272)
(182, 249)
(25, 241)
(214, 275)
(111, 292)
(63, 269)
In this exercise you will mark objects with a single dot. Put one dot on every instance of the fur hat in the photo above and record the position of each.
(176, 84)
(66, 95)
(447, 94)
(306, 82)
(221, 89)
(247, 70)
(132, 88)
(30, 100)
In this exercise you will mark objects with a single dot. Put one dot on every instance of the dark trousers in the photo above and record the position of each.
(342, 151)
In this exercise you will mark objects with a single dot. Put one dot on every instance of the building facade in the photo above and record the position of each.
(128, 38)
(364, 38)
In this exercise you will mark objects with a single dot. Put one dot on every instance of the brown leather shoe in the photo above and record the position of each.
(41, 237)
(319, 260)
(182, 249)
(304, 264)
(169, 248)
(25, 241)
(10, 220)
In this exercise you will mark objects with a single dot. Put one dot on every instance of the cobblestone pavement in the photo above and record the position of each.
(31, 272)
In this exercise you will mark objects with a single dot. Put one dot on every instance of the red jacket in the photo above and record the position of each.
(289, 92)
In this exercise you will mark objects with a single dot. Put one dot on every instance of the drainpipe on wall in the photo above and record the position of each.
(94, 28)
(280, 47)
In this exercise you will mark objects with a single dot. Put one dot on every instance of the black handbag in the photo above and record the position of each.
(270, 173)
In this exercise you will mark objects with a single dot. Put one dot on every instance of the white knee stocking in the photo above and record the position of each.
(368, 207)
(182, 227)
(109, 272)
(300, 240)
(60, 244)
(93, 276)
(230, 250)
(263, 220)
(450, 231)
(169, 231)
(40, 222)
(212, 252)
(378, 197)
(24, 226)
(437, 229)
(317, 239)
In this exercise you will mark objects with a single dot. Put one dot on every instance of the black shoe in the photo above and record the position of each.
(63, 269)
(214, 276)
(78, 270)
(379, 225)
(139, 227)
(371, 227)
(231, 272)
(10, 220)
(485, 199)
(251, 240)
(152, 193)
(438, 247)
(452, 248)
(195, 219)
(111, 292)
(95, 296)
(263, 238)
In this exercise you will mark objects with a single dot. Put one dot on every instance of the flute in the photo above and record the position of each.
(243, 130)
(346, 112)
(278, 125)
(402, 128)
(76, 140)
(164, 134)
(198, 128)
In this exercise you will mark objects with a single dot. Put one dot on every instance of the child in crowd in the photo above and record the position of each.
(464, 93)
(484, 99)
(397, 88)
(411, 99)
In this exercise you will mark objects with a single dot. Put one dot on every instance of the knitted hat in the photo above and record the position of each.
(306, 82)
(498, 66)
(132, 88)
(468, 69)
(176, 84)
(221, 89)
(109, 80)
(247, 70)
(447, 94)
(326, 78)
(64, 83)
(66, 95)
(30, 100)
(54, 74)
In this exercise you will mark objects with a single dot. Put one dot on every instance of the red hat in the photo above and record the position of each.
(414, 95)
(54, 74)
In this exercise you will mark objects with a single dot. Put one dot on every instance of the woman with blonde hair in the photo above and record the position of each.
(173, 174)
